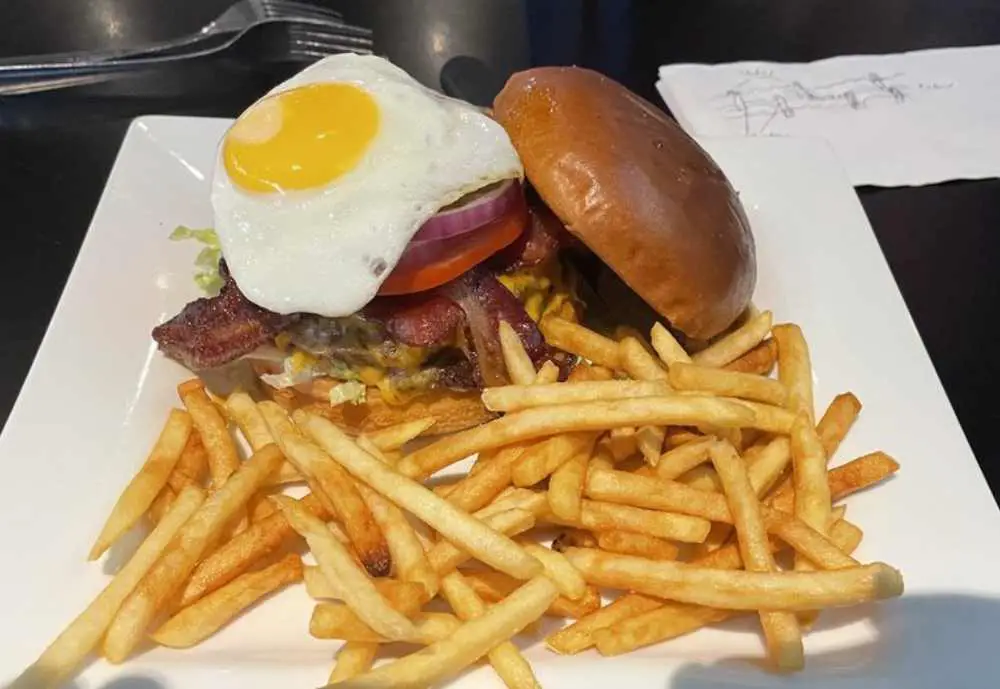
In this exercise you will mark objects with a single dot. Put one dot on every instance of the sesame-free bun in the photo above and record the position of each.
(637, 190)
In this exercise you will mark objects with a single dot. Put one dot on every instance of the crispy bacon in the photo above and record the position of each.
(213, 331)
(485, 303)
(544, 237)
(420, 320)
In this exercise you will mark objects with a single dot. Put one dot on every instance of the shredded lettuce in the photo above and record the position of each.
(351, 392)
(206, 274)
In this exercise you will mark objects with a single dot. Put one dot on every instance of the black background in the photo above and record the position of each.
(942, 241)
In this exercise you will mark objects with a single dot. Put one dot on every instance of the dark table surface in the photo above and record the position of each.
(942, 242)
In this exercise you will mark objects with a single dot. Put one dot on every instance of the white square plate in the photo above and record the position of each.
(98, 393)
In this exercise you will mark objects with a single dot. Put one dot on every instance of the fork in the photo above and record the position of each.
(276, 41)
(235, 22)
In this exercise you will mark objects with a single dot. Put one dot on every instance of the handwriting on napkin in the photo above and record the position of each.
(906, 119)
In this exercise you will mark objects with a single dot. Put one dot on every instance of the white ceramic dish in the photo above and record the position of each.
(98, 392)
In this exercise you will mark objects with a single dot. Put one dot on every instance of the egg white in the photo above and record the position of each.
(318, 250)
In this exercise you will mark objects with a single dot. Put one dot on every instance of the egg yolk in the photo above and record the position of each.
(301, 138)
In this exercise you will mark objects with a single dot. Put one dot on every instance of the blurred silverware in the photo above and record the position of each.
(240, 17)
(269, 40)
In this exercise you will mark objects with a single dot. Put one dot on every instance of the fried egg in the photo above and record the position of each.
(321, 184)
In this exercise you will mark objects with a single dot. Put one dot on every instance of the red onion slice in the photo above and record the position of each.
(470, 216)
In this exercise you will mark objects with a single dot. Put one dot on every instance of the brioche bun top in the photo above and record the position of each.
(637, 190)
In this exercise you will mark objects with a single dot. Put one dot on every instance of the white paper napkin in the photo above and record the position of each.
(894, 120)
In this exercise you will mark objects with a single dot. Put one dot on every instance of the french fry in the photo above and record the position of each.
(583, 372)
(559, 570)
(71, 647)
(493, 586)
(579, 636)
(336, 563)
(848, 478)
(728, 383)
(336, 484)
(638, 362)
(511, 398)
(575, 609)
(505, 658)
(781, 629)
(515, 498)
(624, 488)
(566, 487)
(795, 369)
(408, 558)
(520, 369)
(640, 545)
(394, 590)
(578, 340)
(446, 556)
(683, 458)
(478, 489)
(770, 463)
(474, 639)
(656, 494)
(837, 421)
(485, 544)
(676, 619)
(656, 625)
(739, 590)
(679, 435)
(241, 408)
(821, 552)
(737, 343)
(759, 361)
(241, 552)
(769, 418)
(353, 658)
(482, 461)
(585, 416)
(194, 624)
(649, 440)
(667, 346)
(574, 538)
(200, 532)
(548, 373)
(605, 516)
(540, 460)
(831, 429)
(161, 504)
(395, 437)
(191, 466)
(338, 621)
(703, 478)
(812, 491)
(718, 536)
(621, 443)
(603, 460)
(286, 474)
(223, 459)
(147, 483)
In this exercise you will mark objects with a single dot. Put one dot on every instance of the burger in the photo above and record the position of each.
(374, 234)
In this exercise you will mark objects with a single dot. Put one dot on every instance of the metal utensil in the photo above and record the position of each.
(240, 17)
(271, 40)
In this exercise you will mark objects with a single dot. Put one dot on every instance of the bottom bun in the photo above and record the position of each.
(452, 411)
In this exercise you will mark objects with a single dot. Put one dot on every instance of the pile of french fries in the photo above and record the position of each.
(676, 481)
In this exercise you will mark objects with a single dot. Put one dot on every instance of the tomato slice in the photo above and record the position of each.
(456, 256)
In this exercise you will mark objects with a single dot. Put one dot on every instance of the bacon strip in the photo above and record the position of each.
(213, 331)
(485, 303)
(419, 320)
